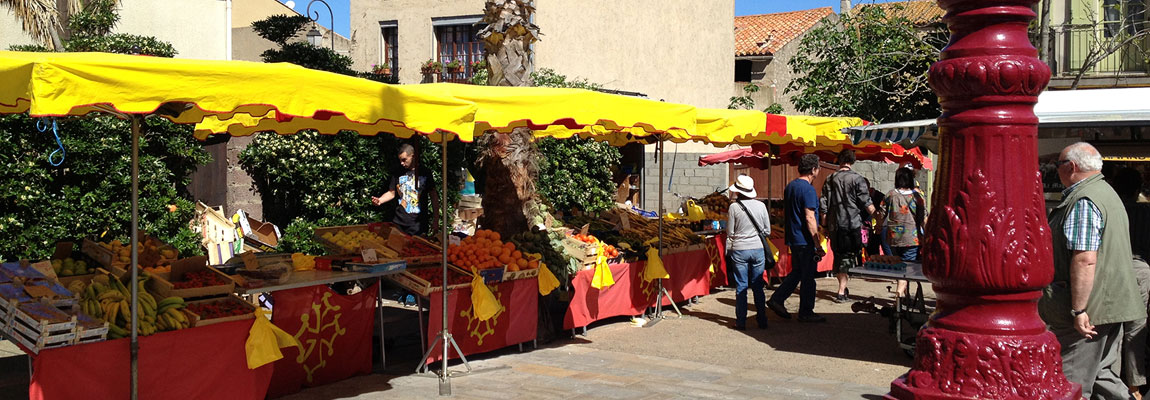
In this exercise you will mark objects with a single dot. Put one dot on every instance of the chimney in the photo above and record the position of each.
(844, 7)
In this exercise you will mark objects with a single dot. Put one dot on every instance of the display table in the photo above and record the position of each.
(689, 273)
(517, 323)
(912, 309)
(335, 330)
(206, 362)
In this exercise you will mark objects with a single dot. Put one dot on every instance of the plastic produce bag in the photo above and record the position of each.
(694, 212)
(482, 300)
(603, 277)
(265, 340)
(654, 269)
(547, 280)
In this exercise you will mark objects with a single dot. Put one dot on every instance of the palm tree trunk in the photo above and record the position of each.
(510, 159)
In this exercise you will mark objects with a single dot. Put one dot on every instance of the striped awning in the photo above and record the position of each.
(906, 132)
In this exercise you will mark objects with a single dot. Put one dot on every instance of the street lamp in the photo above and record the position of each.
(314, 36)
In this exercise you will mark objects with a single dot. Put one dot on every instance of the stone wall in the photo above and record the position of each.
(681, 174)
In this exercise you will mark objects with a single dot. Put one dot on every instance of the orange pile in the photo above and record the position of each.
(486, 250)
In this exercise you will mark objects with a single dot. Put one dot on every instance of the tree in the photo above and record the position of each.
(87, 193)
(871, 65)
(1122, 33)
(746, 101)
(510, 159)
(40, 19)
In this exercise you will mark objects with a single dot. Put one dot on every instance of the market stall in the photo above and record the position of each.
(227, 93)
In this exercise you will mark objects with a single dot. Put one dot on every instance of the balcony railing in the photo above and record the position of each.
(466, 53)
(1075, 43)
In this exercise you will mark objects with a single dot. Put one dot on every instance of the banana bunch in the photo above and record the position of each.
(111, 303)
(168, 314)
(77, 287)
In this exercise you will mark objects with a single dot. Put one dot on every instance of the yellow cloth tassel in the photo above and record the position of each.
(654, 269)
(482, 300)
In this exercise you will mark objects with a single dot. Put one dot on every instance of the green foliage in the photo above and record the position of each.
(774, 109)
(382, 78)
(576, 173)
(744, 102)
(323, 178)
(308, 56)
(479, 77)
(89, 194)
(35, 48)
(299, 237)
(547, 77)
(96, 19)
(280, 28)
(122, 43)
(430, 157)
(871, 65)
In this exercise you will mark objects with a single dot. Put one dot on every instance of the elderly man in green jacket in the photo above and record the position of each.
(1094, 290)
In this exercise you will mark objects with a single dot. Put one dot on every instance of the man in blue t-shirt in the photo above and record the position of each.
(409, 189)
(800, 222)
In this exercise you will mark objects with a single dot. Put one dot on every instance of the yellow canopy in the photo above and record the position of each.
(828, 130)
(187, 91)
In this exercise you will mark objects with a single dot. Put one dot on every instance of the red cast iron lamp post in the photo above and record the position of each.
(988, 248)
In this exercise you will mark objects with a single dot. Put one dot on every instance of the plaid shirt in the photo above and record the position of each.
(1083, 228)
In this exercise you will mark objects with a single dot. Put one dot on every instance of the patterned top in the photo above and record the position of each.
(904, 211)
(1083, 228)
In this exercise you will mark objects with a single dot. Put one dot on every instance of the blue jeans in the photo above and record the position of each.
(909, 253)
(803, 269)
(747, 272)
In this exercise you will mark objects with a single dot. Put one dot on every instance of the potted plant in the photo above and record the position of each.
(431, 67)
(382, 69)
(478, 65)
(454, 67)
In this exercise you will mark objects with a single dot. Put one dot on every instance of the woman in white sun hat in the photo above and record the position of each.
(748, 229)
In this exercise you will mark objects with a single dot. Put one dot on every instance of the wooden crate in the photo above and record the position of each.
(108, 258)
(581, 252)
(397, 241)
(422, 287)
(380, 266)
(165, 288)
(40, 326)
(521, 274)
(89, 329)
(333, 248)
(201, 321)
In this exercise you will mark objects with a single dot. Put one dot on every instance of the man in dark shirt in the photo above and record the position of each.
(800, 222)
(409, 188)
(847, 198)
(1127, 184)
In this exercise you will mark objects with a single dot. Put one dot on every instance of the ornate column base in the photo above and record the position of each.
(953, 365)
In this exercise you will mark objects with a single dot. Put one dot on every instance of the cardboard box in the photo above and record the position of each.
(257, 235)
(218, 232)
(165, 288)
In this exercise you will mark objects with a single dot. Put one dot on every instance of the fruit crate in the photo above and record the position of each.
(521, 274)
(399, 241)
(108, 258)
(89, 329)
(201, 320)
(333, 248)
(39, 326)
(410, 280)
(582, 252)
(10, 292)
(166, 287)
(13, 270)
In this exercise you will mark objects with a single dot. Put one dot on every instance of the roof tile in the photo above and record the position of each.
(919, 12)
(765, 34)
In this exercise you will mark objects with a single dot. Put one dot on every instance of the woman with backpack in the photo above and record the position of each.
(904, 213)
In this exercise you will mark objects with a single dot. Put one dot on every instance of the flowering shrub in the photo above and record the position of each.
(431, 67)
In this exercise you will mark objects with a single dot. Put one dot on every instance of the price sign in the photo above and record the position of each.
(369, 256)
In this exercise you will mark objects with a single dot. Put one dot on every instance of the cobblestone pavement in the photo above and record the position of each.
(852, 356)
(569, 372)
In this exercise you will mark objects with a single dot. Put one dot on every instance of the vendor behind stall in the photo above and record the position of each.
(410, 189)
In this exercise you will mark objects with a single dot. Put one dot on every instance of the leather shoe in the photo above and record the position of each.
(778, 309)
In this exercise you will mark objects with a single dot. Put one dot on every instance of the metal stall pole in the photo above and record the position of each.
(444, 376)
(135, 344)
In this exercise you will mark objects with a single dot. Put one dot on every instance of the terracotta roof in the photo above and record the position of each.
(919, 12)
(767, 33)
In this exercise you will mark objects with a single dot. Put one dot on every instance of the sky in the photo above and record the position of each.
(742, 7)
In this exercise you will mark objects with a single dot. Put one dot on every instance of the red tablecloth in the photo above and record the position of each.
(198, 363)
(625, 297)
(517, 323)
(690, 276)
